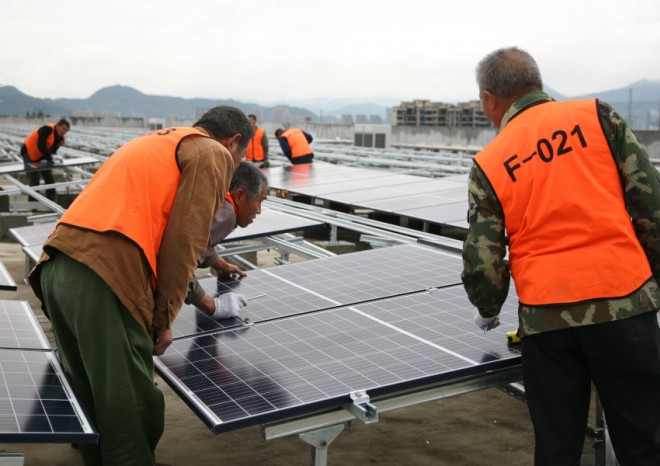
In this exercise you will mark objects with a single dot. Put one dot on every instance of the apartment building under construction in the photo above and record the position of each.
(421, 112)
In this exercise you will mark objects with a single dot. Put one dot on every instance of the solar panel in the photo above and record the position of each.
(6, 280)
(33, 234)
(36, 402)
(19, 327)
(326, 283)
(72, 162)
(272, 222)
(33, 252)
(302, 364)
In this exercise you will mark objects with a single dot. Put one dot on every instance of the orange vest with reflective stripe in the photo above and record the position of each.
(570, 236)
(32, 143)
(297, 142)
(132, 193)
(255, 151)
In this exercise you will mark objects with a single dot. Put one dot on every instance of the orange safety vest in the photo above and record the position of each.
(132, 193)
(32, 143)
(570, 236)
(255, 151)
(297, 142)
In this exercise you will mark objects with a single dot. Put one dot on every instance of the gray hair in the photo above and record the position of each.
(508, 73)
(225, 121)
(248, 177)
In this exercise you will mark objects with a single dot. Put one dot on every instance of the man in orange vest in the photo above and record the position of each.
(38, 150)
(579, 202)
(257, 151)
(248, 189)
(115, 270)
(295, 145)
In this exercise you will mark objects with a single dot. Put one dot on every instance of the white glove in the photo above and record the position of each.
(228, 305)
(486, 323)
(58, 159)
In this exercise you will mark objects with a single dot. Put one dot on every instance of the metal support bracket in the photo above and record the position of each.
(320, 440)
(361, 408)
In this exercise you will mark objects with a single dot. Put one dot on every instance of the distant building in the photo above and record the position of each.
(426, 113)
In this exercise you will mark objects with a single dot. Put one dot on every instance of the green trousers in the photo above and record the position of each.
(107, 358)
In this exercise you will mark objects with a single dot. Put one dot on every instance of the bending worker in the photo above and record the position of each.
(38, 149)
(114, 273)
(295, 145)
(257, 151)
(248, 189)
(579, 200)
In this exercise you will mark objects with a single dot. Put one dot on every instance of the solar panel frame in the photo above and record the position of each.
(6, 280)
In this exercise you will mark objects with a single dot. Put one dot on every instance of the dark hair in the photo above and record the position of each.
(278, 131)
(224, 121)
(251, 115)
(508, 72)
(248, 177)
(63, 122)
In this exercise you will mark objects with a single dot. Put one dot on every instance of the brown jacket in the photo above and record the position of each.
(206, 171)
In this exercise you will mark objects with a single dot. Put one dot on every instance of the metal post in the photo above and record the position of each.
(320, 440)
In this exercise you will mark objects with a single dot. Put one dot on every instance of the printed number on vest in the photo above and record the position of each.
(561, 144)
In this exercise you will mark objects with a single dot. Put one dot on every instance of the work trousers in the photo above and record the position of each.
(107, 358)
(622, 359)
(47, 175)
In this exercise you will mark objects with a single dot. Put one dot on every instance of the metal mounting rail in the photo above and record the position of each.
(357, 223)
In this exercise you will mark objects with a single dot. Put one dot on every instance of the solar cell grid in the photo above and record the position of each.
(303, 363)
(36, 404)
(19, 328)
(326, 283)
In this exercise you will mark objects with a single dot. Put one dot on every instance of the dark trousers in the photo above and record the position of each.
(622, 359)
(107, 358)
(47, 175)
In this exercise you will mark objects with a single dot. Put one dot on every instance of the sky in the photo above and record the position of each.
(287, 51)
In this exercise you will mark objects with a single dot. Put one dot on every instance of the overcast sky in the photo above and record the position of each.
(285, 50)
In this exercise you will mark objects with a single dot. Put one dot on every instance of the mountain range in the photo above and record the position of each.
(638, 102)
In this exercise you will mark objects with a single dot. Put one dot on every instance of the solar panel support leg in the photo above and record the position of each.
(320, 440)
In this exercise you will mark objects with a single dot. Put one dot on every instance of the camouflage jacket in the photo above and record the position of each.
(486, 273)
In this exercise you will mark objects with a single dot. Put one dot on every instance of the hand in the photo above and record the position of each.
(228, 305)
(265, 164)
(486, 323)
(58, 159)
(162, 339)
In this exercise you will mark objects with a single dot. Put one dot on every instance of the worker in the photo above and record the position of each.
(248, 189)
(257, 151)
(295, 145)
(38, 150)
(114, 273)
(575, 193)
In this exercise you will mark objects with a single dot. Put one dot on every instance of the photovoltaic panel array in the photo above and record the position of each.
(326, 283)
(301, 364)
(440, 201)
